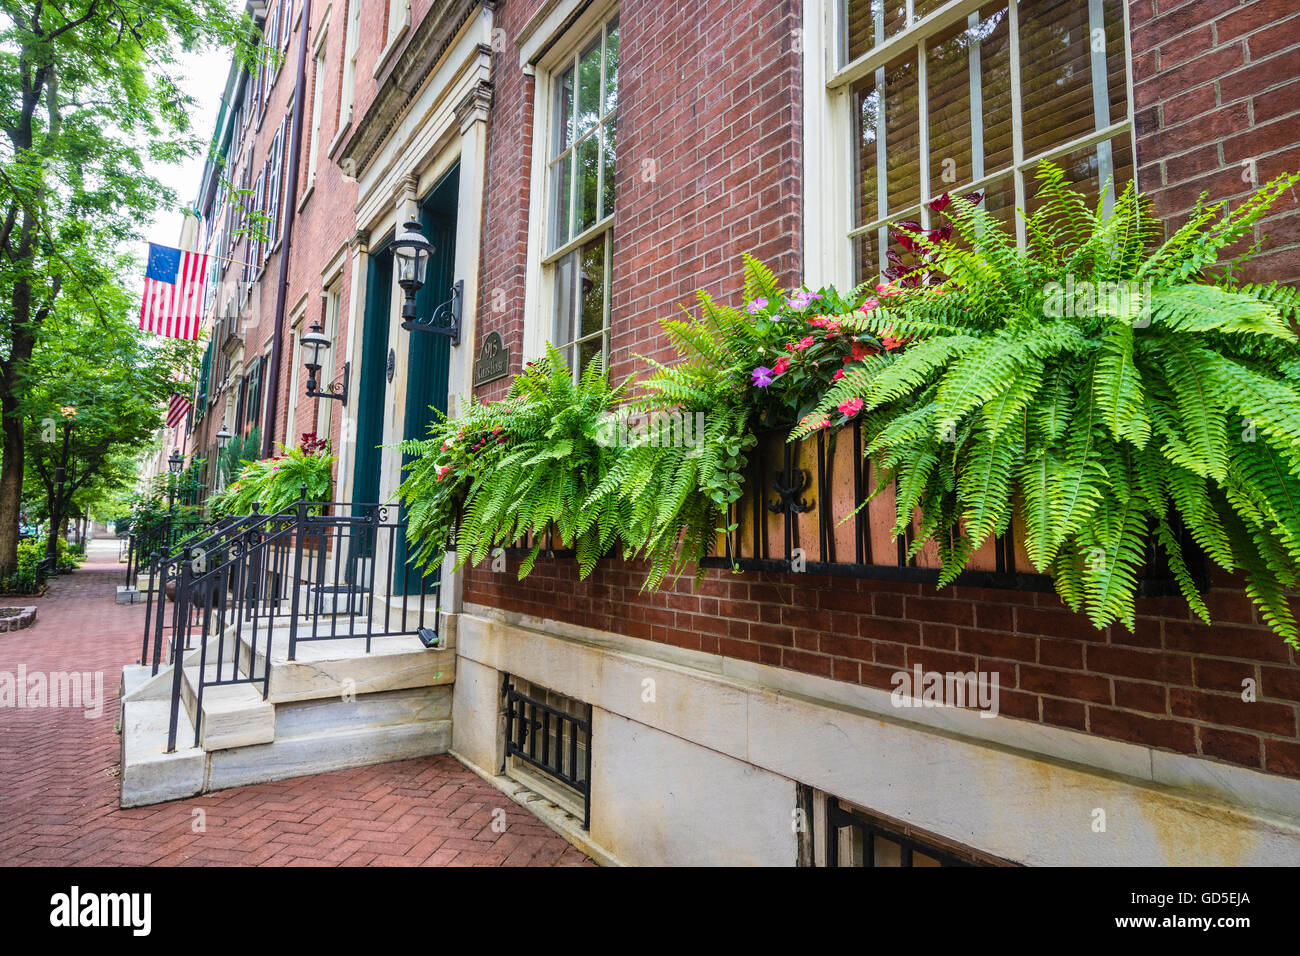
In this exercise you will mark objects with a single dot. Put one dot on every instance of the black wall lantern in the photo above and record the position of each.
(313, 343)
(411, 251)
(223, 439)
(176, 462)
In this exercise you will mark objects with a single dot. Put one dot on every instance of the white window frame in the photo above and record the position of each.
(829, 123)
(573, 29)
(352, 37)
(317, 108)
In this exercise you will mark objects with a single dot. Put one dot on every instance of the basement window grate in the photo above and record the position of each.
(856, 840)
(551, 733)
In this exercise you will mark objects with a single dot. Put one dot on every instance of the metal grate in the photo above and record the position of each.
(551, 740)
(855, 840)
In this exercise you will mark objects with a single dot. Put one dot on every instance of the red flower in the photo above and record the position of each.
(781, 365)
(890, 343)
(837, 376)
(851, 407)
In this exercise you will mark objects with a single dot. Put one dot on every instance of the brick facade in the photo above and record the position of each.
(710, 165)
(1215, 84)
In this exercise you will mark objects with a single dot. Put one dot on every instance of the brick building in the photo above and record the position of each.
(555, 147)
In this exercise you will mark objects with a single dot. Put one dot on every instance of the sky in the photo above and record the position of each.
(204, 79)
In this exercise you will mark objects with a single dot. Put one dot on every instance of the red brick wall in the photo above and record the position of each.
(1215, 83)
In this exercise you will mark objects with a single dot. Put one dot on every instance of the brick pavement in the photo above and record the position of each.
(59, 790)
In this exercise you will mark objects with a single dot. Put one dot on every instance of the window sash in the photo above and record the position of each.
(911, 41)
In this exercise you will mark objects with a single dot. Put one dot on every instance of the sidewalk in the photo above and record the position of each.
(59, 766)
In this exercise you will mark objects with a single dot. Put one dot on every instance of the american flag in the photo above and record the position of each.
(173, 292)
(177, 408)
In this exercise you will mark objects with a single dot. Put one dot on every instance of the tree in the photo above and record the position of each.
(85, 100)
(93, 391)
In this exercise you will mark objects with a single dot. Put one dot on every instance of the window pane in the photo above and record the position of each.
(561, 186)
(566, 271)
(584, 207)
(563, 118)
(889, 122)
(589, 350)
(611, 66)
(1089, 168)
(1057, 71)
(593, 286)
(868, 22)
(867, 100)
(588, 89)
(970, 116)
(887, 852)
(902, 135)
(610, 133)
(866, 258)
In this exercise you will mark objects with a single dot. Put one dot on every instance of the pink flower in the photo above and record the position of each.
(885, 288)
(442, 471)
(851, 407)
(781, 365)
(837, 376)
(804, 342)
(868, 305)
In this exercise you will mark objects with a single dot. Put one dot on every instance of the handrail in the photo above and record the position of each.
(294, 576)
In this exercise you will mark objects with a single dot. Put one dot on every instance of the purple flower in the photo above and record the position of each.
(801, 299)
(756, 305)
(762, 376)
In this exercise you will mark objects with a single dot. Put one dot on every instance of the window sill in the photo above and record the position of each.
(311, 188)
(344, 129)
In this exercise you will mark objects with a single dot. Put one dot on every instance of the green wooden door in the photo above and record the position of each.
(428, 354)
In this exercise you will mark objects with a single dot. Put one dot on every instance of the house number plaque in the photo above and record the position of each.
(493, 360)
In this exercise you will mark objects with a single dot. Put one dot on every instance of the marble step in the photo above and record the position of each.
(233, 715)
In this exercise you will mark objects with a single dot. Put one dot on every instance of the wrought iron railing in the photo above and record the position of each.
(162, 539)
(258, 586)
(802, 510)
(550, 740)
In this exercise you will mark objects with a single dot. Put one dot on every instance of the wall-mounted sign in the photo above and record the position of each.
(493, 360)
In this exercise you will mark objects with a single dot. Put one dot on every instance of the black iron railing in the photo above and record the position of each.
(162, 539)
(258, 586)
(856, 840)
(802, 510)
(551, 740)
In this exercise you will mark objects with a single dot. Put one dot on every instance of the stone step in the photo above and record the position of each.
(345, 665)
(148, 773)
(233, 715)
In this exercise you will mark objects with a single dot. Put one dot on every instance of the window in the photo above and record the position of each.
(350, 62)
(317, 101)
(961, 97)
(274, 185)
(580, 197)
(855, 838)
(325, 407)
(259, 227)
(399, 12)
(548, 745)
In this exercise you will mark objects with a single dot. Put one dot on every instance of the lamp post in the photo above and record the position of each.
(313, 344)
(411, 253)
(174, 466)
(69, 412)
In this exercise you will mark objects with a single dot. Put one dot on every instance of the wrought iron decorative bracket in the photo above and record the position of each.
(445, 319)
(337, 389)
(792, 499)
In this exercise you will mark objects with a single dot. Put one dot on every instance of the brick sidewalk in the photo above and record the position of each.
(59, 791)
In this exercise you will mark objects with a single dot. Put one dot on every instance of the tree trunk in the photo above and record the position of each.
(11, 481)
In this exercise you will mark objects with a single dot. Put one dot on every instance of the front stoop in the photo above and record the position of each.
(335, 706)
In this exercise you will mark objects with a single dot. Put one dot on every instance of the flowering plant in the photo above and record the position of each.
(274, 484)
